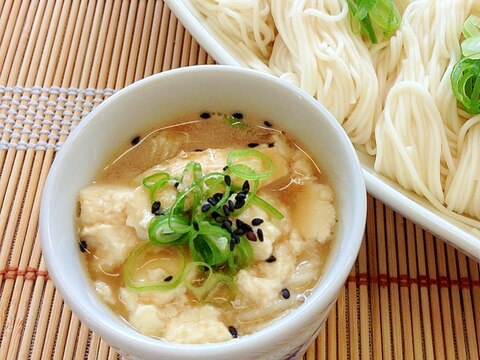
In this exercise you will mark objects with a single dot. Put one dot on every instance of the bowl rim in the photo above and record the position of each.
(328, 285)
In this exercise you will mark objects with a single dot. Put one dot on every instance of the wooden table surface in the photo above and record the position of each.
(409, 295)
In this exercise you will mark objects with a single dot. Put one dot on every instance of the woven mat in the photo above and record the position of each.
(409, 295)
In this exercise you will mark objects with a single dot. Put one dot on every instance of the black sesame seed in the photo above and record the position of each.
(238, 115)
(225, 168)
(198, 150)
(232, 245)
(233, 331)
(159, 213)
(231, 205)
(267, 123)
(135, 140)
(252, 145)
(257, 221)
(206, 207)
(285, 293)
(240, 196)
(205, 115)
(271, 259)
(270, 145)
(168, 278)
(226, 210)
(246, 186)
(251, 236)
(236, 239)
(239, 204)
(212, 201)
(156, 206)
(195, 226)
(260, 235)
(217, 197)
(176, 184)
(241, 225)
(216, 215)
(239, 232)
(227, 225)
(228, 180)
(83, 245)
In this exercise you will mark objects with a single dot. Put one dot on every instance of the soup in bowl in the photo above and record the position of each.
(205, 212)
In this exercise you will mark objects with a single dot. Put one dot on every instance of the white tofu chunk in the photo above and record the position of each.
(197, 325)
(314, 214)
(111, 244)
(103, 204)
(263, 292)
(284, 265)
(139, 212)
(147, 319)
(105, 292)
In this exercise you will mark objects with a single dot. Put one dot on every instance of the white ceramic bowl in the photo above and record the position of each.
(148, 103)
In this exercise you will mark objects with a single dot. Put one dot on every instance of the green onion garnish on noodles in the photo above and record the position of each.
(373, 16)
(471, 27)
(465, 80)
(465, 77)
(201, 226)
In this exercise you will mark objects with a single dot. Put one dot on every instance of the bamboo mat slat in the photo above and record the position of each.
(409, 295)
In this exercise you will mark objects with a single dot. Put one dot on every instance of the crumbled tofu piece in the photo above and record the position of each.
(197, 325)
(261, 291)
(284, 265)
(147, 319)
(314, 213)
(297, 242)
(111, 244)
(139, 212)
(105, 292)
(103, 204)
(129, 298)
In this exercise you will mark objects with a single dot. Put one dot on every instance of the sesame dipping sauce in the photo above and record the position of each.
(150, 263)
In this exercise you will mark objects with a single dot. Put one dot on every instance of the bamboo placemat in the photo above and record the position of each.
(409, 295)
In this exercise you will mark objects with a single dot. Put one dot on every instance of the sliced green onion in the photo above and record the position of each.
(150, 257)
(211, 245)
(372, 15)
(471, 27)
(234, 122)
(471, 46)
(198, 286)
(465, 80)
(156, 182)
(235, 164)
(267, 207)
(386, 16)
(166, 229)
(207, 286)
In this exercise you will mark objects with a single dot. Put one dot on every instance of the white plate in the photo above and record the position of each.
(408, 204)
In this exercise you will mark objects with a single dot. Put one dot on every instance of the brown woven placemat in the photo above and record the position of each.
(409, 295)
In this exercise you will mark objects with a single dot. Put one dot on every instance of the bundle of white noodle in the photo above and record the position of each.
(245, 26)
(316, 50)
(417, 132)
